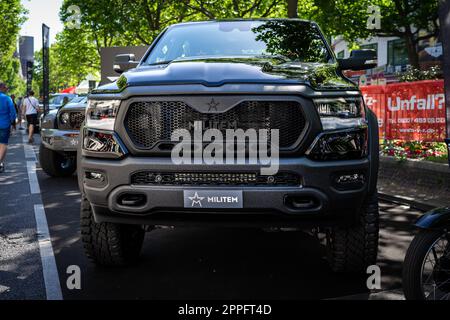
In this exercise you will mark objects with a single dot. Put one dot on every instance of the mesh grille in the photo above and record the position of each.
(218, 179)
(76, 119)
(150, 122)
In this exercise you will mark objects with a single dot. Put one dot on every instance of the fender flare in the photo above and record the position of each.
(438, 218)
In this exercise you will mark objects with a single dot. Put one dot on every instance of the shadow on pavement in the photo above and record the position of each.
(397, 231)
(202, 263)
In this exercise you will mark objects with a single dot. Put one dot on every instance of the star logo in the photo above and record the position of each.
(196, 200)
(212, 105)
(74, 142)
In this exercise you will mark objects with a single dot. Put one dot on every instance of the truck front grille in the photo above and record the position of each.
(76, 119)
(217, 179)
(151, 122)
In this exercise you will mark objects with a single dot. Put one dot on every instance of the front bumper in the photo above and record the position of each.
(164, 204)
(60, 140)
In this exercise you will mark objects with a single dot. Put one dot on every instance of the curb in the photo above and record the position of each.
(417, 164)
(405, 201)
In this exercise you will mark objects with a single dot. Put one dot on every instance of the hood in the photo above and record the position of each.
(75, 106)
(216, 72)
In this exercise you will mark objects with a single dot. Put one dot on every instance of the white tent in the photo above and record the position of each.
(83, 87)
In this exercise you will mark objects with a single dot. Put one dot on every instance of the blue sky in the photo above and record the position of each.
(41, 11)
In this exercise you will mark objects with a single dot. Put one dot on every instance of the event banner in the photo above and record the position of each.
(409, 110)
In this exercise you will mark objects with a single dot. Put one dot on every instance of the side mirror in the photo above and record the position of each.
(359, 60)
(124, 62)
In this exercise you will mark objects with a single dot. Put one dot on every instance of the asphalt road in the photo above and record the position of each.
(198, 263)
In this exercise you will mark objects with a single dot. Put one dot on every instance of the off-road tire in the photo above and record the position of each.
(55, 164)
(109, 244)
(354, 248)
(412, 266)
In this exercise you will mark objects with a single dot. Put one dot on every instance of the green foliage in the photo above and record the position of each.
(10, 74)
(122, 22)
(398, 16)
(106, 23)
(210, 9)
(101, 21)
(413, 74)
(411, 20)
(11, 17)
(338, 17)
(72, 58)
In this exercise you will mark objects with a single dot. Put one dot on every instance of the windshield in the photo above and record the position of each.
(60, 99)
(79, 99)
(291, 40)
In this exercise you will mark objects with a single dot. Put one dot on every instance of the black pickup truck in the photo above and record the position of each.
(60, 129)
(278, 76)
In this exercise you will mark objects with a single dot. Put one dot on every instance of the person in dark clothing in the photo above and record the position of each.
(14, 122)
(30, 109)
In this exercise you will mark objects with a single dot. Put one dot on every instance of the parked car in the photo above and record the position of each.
(56, 101)
(239, 74)
(59, 136)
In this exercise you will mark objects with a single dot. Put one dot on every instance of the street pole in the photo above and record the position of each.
(444, 22)
(45, 66)
(292, 8)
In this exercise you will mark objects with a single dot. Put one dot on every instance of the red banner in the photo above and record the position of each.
(409, 110)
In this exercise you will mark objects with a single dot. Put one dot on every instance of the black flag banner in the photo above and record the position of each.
(45, 66)
(29, 75)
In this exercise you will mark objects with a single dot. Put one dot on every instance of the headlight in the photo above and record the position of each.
(339, 145)
(105, 144)
(64, 117)
(101, 114)
(341, 113)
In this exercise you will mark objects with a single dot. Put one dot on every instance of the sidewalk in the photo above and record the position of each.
(21, 272)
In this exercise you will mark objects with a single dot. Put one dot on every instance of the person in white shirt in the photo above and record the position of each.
(30, 109)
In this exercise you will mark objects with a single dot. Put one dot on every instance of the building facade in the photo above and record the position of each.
(392, 57)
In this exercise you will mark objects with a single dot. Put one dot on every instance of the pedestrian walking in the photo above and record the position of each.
(14, 122)
(30, 108)
(7, 115)
(19, 114)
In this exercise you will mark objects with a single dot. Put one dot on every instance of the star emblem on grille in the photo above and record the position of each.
(212, 105)
(196, 200)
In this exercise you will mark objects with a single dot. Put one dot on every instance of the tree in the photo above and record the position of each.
(11, 18)
(70, 62)
(76, 54)
(338, 17)
(106, 23)
(100, 21)
(411, 20)
(210, 9)
(11, 76)
(292, 8)
(122, 22)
